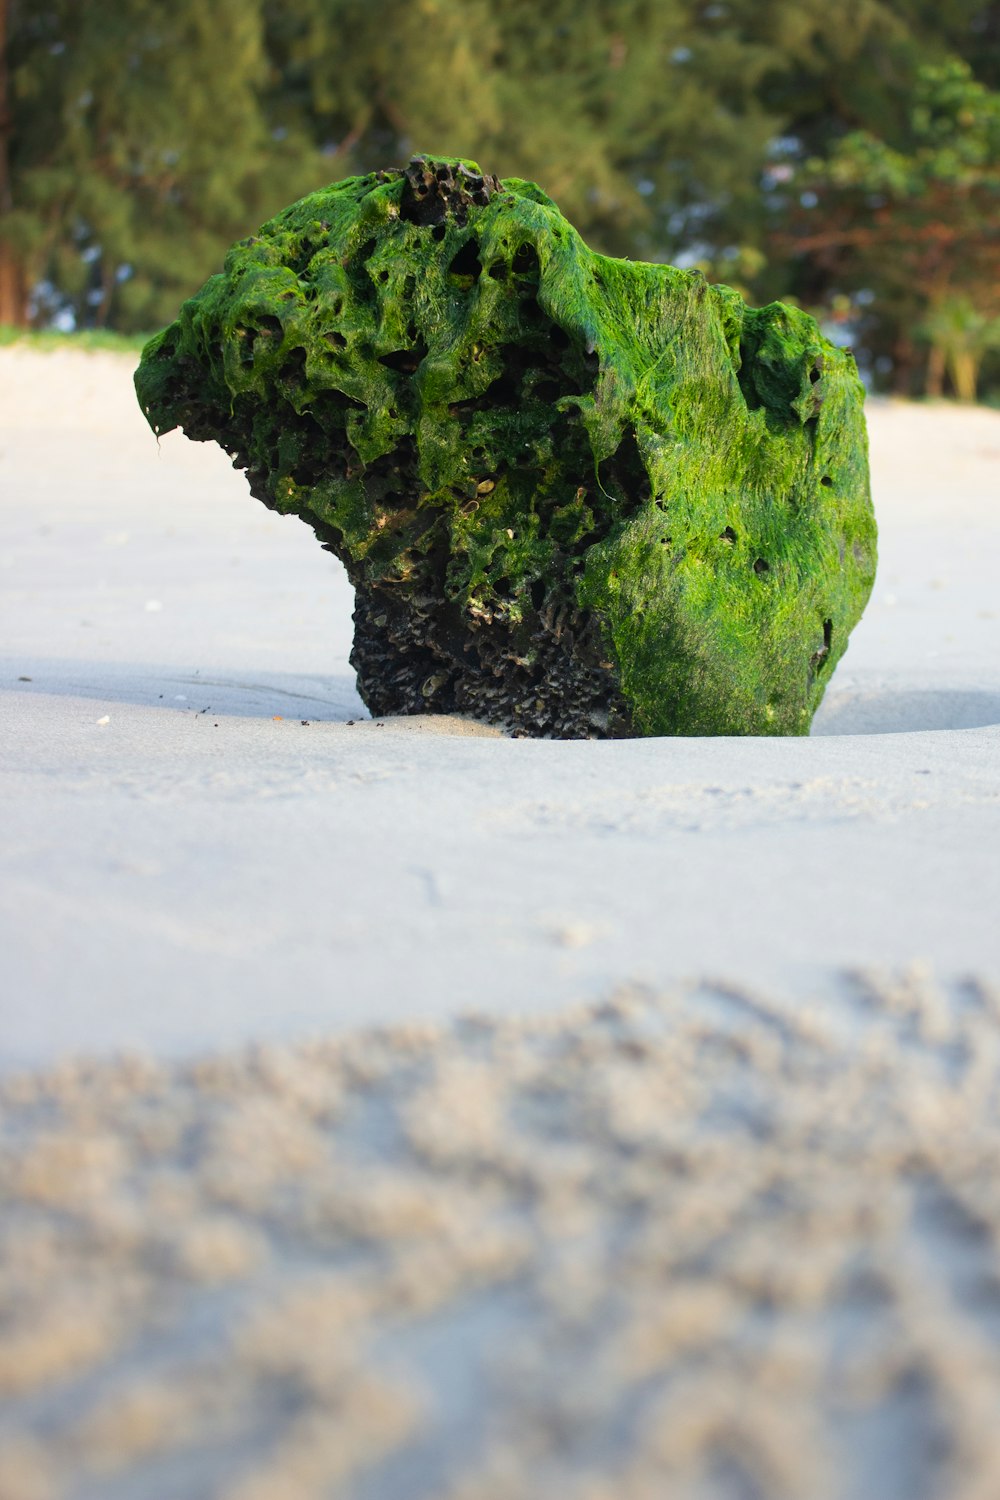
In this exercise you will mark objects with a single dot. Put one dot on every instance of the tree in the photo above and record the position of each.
(138, 139)
(920, 219)
(134, 150)
(640, 117)
(12, 291)
(960, 337)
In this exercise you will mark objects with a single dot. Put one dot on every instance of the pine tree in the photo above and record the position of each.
(137, 139)
(918, 220)
(135, 149)
(639, 117)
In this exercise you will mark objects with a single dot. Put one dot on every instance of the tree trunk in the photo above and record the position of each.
(107, 292)
(13, 281)
(934, 384)
(964, 374)
(6, 122)
(903, 359)
(13, 290)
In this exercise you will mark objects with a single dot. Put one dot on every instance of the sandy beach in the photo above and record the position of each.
(189, 865)
(467, 1117)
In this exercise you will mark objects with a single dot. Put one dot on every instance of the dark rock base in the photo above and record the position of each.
(547, 680)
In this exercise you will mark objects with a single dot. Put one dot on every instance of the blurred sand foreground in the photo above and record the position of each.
(500, 1120)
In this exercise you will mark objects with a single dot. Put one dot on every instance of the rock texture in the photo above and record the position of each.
(576, 496)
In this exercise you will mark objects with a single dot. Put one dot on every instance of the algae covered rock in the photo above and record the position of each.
(575, 496)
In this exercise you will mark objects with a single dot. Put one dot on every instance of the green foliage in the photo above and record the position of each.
(960, 338)
(921, 217)
(627, 111)
(138, 139)
(138, 147)
(576, 494)
(953, 145)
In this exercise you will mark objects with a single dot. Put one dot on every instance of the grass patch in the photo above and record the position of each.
(88, 339)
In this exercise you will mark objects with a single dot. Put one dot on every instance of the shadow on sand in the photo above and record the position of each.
(151, 685)
(906, 712)
(335, 698)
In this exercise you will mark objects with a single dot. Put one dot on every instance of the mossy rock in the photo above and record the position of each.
(575, 496)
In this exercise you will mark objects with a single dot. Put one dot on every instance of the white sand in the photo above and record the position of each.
(733, 1235)
(194, 872)
(702, 1249)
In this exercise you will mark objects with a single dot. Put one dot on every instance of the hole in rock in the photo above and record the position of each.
(404, 360)
(624, 476)
(506, 389)
(466, 262)
(531, 311)
(294, 369)
(819, 657)
(547, 391)
(525, 261)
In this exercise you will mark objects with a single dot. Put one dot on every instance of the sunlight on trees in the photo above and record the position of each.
(806, 149)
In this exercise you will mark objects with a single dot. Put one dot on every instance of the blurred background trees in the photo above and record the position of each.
(841, 153)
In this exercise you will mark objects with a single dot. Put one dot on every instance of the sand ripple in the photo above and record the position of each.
(702, 1245)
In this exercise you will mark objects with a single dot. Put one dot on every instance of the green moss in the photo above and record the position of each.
(575, 495)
